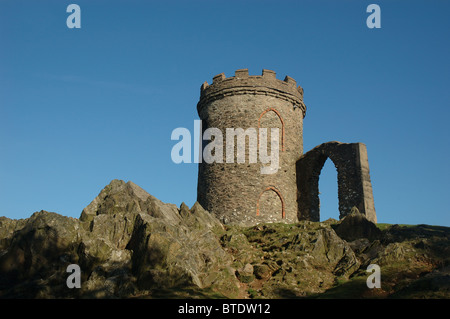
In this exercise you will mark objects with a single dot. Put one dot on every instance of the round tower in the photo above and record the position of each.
(241, 190)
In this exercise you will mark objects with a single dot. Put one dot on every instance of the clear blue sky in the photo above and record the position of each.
(80, 107)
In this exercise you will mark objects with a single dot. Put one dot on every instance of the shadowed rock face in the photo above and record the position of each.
(129, 244)
(126, 242)
(356, 226)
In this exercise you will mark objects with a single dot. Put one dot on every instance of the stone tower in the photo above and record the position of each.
(231, 182)
(236, 192)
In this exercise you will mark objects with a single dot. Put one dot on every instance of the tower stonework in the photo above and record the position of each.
(239, 193)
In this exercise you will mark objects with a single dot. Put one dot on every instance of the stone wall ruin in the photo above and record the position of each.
(354, 185)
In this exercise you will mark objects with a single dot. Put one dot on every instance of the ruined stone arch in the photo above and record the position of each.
(354, 186)
(281, 120)
(276, 191)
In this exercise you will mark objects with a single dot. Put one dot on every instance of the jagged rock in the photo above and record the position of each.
(245, 274)
(199, 218)
(236, 243)
(355, 226)
(125, 241)
(42, 243)
(130, 244)
(34, 263)
(297, 259)
(262, 271)
(7, 228)
(166, 255)
(329, 248)
(435, 284)
(121, 197)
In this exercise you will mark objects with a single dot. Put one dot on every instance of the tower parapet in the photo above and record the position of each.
(242, 83)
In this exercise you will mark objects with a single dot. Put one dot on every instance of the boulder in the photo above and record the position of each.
(245, 274)
(46, 240)
(355, 226)
(34, 264)
(331, 251)
(121, 197)
(7, 228)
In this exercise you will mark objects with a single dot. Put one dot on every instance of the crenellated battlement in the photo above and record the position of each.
(243, 83)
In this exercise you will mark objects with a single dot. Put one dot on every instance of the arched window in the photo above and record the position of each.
(281, 120)
(272, 191)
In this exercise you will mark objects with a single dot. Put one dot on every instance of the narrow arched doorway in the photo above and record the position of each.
(270, 204)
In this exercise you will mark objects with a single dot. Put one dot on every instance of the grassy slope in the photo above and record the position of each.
(414, 261)
(415, 264)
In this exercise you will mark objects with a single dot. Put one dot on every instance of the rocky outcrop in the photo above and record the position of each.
(356, 226)
(290, 260)
(126, 243)
(38, 249)
(129, 244)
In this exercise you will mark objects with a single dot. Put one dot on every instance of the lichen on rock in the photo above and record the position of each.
(129, 244)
